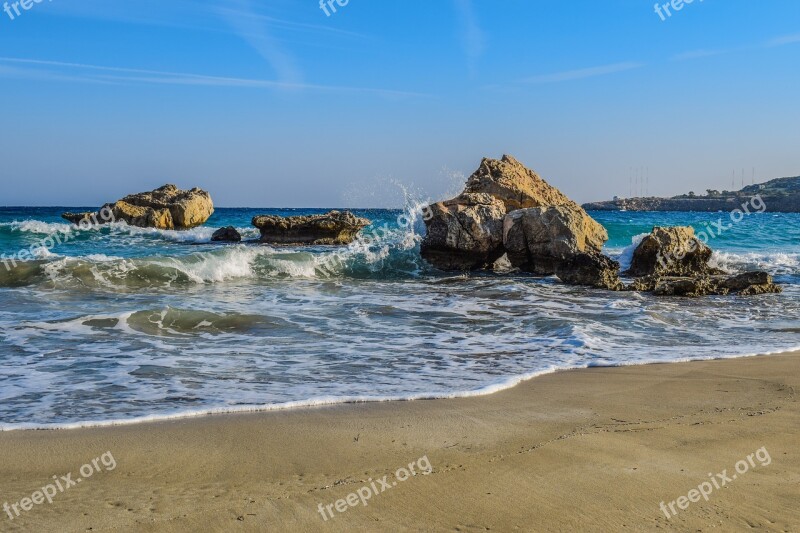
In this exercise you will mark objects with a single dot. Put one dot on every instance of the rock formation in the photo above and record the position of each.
(781, 195)
(332, 228)
(747, 284)
(591, 269)
(538, 239)
(227, 234)
(465, 233)
(510, 219)
(673, 251)
(673, 262)
(164, 208)
(517, 186)
(80, 218)
(505, 207)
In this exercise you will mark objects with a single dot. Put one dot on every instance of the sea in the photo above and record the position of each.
(119, 325)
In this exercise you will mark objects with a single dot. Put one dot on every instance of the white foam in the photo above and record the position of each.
(774, 262)
(39, 227)
(625, 256)
(487, 390)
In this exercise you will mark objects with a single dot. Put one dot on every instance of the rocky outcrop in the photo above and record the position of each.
(469, 232)
(227, 234)
(673, 262)
(590, 269)
(747, 284)
(673, 251)
(79, 218)
(539, 239)
(517, 186)
(781, 195)
(164, 208)
(142, 217)
(465, 233)
(333, 228)
(509, 219)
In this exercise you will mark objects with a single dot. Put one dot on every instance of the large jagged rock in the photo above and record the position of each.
(333, 228)
(747, 284)
(164, 208)
(517, 186)
(465, 233)
(540, 239)
(591, 269)
(673, 251)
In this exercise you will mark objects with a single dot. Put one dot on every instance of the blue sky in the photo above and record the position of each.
(276, 104)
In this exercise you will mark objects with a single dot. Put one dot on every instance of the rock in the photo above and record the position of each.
(227, 234)
(465, 233)
(164, 208)
(751, 283)
(517, 186)
(540, 239)
(186, 209)
(643, 284)
(332, 228)
(671, 251)
(142, 217)
(590, 269)
(699, 286)
(673, 262)
(747, 284)
(78, 218)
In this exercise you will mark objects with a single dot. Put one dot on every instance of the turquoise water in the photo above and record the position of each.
(120, 324)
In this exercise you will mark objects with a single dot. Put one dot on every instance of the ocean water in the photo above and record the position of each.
(119, 324)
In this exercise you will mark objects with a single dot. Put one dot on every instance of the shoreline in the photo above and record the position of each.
(300, 405)
(613, 441)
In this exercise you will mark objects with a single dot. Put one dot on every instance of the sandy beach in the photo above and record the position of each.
(591, 450)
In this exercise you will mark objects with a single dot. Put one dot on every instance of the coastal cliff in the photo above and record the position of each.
(780, 195)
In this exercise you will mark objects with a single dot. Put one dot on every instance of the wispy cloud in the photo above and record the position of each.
(784, 40)
(245, 21)
(82, 72)
(584, 73)
(698, 54)
(472, 37)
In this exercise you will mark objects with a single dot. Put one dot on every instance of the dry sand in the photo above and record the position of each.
(587, 450)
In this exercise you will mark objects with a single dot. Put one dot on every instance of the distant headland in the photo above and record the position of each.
(780, 195)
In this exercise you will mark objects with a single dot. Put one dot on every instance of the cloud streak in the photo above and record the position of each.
(82, 72)
(783, 40)
(253, 30)
(580, 74)
(472, 37)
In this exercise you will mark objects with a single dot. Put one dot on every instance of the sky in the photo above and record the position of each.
(278, 104)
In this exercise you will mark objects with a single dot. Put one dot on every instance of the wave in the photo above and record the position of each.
(396, 256)
(625, 255)
(486, 390)
(42, 229)
(774, 262)
(38, 227)
(381, 252)
(167, 322)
